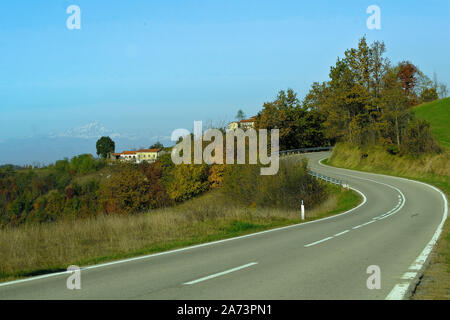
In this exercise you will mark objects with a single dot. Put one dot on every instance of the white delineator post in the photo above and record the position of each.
(303, 211)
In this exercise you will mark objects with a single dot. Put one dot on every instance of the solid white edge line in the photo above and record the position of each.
(399, 291)
(409, 275)
(192, 247)
(35, 278)
(215, 275)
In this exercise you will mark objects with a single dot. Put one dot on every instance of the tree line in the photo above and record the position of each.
(367, 101)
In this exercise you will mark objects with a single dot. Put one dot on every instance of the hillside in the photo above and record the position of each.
(438, 114)
(429, 168)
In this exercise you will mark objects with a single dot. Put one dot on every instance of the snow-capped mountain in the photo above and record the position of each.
(47, 148)
(91, 130)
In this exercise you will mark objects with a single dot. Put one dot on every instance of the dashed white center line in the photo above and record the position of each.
(221, 273)
(341, 233)
(317, 242)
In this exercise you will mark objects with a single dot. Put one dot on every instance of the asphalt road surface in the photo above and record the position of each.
(393, 230)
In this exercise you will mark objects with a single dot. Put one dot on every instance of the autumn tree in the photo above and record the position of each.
(157, 190)
(125, 192)
(188, 180)
(407, 73)
(366, 101)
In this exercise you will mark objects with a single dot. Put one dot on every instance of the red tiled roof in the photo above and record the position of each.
(252, 119)
(129, 152)
(149, 150)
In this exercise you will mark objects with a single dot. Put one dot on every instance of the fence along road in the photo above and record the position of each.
(325, 259)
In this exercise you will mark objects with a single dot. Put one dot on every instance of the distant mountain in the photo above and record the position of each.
(88, 131)
(46, 149)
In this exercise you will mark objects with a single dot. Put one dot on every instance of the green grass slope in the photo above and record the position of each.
(438, 114)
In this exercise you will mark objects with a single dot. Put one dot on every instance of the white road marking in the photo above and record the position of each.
(400, 204)
(192, 247)
(399, 291)
(341, 233)
(317, 242)
(221, 273)
(409, 275)
(35, 278)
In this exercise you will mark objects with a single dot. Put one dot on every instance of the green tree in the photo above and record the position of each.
(395, 111)
(300, 125)
(105, 146)
(240, 115)
(157, 145)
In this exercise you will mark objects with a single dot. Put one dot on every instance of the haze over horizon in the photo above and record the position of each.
(137, 71)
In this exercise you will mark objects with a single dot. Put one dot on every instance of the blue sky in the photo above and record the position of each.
(148, 67)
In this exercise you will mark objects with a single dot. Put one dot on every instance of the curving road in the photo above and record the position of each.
(394, 228)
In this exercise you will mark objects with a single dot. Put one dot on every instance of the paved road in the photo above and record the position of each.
(325, 259)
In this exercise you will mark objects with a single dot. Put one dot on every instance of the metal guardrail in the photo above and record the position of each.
(328, 179)
(305, 150)
(312, 173)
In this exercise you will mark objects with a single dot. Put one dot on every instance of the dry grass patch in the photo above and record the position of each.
(31, 250)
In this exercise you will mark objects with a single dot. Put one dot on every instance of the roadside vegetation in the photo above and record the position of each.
(429, 168)
(220, 213)
(438, 114)
(387, 119)
(86, 210)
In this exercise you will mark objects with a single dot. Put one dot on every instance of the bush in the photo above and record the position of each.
(157, 192)
(188, 181)
(417, 139)
(286, 189)
(85, 163)
(125, 192)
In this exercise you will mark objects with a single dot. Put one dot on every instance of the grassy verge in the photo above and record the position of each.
(33, 250)
(437, 113)
(433, 170)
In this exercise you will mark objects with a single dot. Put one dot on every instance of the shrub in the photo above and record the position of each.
(85, 163)
(286, 189)
(125, 192)
(157, 192)
(417, 139)
(187, 181)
